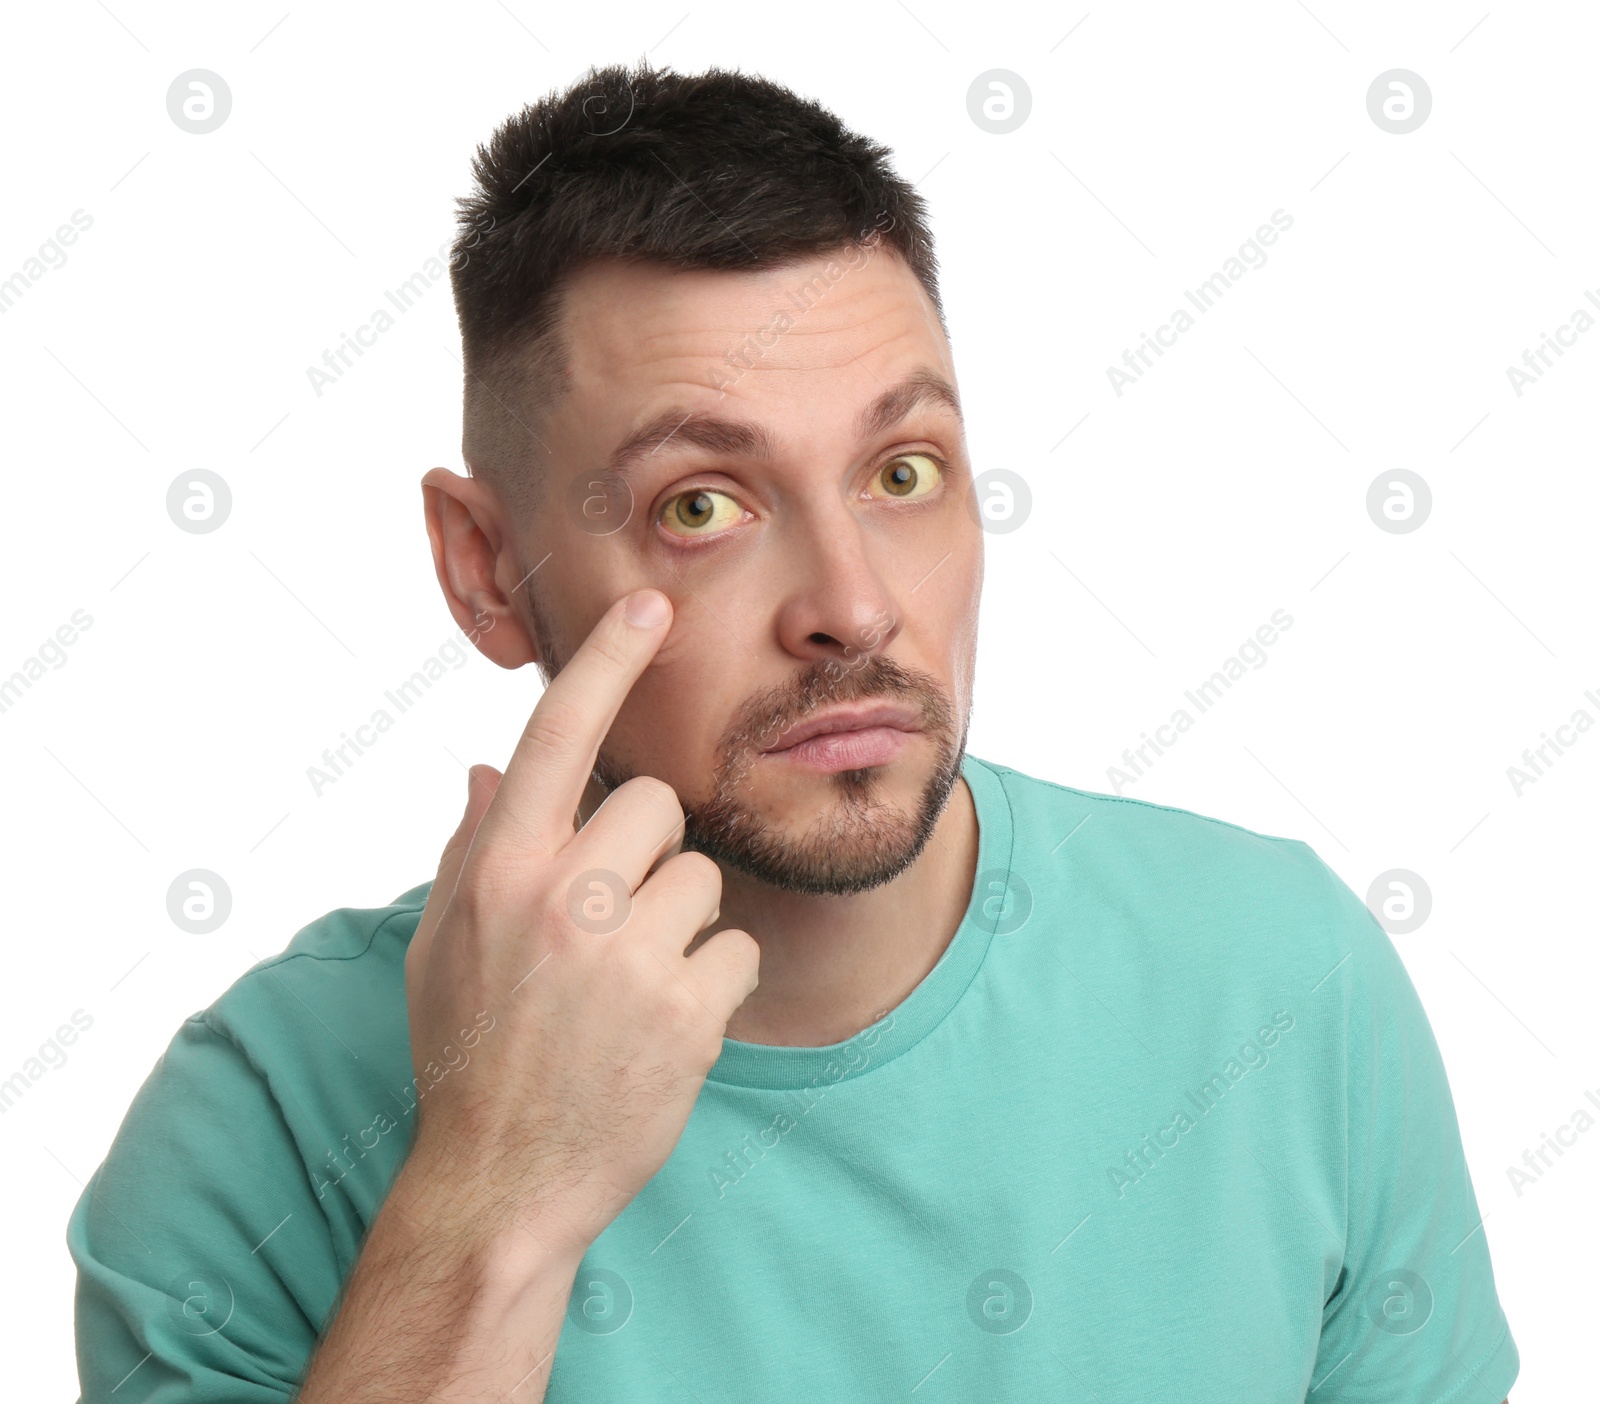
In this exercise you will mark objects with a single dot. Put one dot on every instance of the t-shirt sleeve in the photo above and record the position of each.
(200, 1247)
(1413, 1315)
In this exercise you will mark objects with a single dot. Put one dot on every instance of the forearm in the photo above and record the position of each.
(441, 1307)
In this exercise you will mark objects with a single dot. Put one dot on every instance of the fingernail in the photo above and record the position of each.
(646, 608)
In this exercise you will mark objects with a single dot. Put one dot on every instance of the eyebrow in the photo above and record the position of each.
(698, 429)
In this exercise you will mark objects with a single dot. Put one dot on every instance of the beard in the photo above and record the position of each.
(858, 834)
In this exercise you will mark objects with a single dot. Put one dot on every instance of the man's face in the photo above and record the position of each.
(822, 558)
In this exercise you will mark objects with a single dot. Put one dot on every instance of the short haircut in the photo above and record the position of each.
(714, 170)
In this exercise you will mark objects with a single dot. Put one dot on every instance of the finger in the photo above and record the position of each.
(682, 899)
(544, 780)
(726, 970)
(637, 825)
(482, 782)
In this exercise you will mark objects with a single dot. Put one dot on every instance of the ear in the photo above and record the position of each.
(472, 555)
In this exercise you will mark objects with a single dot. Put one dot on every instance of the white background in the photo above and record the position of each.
(1229, 482)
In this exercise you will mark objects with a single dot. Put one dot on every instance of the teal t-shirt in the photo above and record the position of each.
(1166, 1121)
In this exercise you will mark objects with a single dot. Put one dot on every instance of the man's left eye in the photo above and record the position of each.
(910, 475)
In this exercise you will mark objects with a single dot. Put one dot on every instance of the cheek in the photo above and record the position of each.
(683, 702)
(947, 601)
(698, 646)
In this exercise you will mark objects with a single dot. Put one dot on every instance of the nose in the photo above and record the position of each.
(840, 598)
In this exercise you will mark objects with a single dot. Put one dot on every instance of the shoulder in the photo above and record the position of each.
(1196, 902)
(278, 1076)
(258, 1142)
(322, 1031)
(1150, 841)
(348, 963)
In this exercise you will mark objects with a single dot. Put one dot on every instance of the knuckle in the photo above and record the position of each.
(556, 726)
(474, 888)
(485, 884)
(687, 1018)
(608, 644)
(665, 999)
(552, 913)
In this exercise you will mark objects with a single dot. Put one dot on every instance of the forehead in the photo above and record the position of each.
(633, 327)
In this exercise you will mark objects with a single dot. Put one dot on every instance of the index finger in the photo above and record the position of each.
(545, 778)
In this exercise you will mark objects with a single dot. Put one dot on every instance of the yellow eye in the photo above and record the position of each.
(910, 475)
(698, 513)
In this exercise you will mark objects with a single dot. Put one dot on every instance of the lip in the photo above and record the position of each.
(857, 718)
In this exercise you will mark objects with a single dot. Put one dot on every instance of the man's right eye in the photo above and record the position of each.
(699, 512)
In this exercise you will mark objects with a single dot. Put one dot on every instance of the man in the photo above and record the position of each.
(1041, 1093)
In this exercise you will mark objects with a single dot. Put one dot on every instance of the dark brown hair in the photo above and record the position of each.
(714, 170)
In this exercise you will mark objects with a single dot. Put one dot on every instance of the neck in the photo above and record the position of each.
(830, 966)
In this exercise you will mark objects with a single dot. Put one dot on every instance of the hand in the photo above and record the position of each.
(591, 1033)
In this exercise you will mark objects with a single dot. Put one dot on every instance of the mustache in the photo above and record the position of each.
(828, 683)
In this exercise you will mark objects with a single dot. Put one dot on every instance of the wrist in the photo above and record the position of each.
(443, 1304)
(513, 1242)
